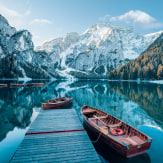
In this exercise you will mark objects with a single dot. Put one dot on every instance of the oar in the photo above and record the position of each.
(111, 129)
(102, 121)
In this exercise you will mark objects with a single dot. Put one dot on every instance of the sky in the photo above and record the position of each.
(49, 19)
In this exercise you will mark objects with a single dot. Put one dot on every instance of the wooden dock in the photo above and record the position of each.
(56, 136)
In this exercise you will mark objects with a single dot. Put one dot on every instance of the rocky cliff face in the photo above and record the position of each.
(16, 53)
(6, 31)
(47, 57)
(149, 65)
(100, 49)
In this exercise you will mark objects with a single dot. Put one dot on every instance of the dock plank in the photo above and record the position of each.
(63, 119)
(56, 147)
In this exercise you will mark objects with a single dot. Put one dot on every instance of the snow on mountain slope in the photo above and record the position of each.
(100, 49)
(59, 44)
(16, 53)
(92, 54)
(136, 44)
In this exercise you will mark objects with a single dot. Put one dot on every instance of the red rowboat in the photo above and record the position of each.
(115, 133)
(56, 103)
(3, 85)
(34, 84)
(16, 85)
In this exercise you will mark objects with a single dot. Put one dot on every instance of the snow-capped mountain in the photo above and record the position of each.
(16, 53)
(100, 49)
(6, 32)
(58, 45)
(148, 65)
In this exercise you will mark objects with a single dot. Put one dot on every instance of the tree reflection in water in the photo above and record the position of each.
(137, 104)
(148, 96)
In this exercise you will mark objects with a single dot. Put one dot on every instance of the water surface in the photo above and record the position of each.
(140, 105)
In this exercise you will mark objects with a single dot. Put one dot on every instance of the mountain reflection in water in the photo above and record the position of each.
(148, 96)
(137, 104)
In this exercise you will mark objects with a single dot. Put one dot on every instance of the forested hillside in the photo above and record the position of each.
(149, 65)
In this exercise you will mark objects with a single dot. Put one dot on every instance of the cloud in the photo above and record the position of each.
(139, 19)
(35, 38)
(40, 21)
(104, 18)
(28, 12)
(14, 18)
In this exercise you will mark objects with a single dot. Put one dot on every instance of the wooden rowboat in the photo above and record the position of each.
(115, 133)
(34, 84)
(3, 85)
(16, 85)
(56, 103)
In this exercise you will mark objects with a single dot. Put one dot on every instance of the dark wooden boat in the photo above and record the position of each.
(3, 85)
(56, 103)
(34, 84)
(17, 85)
(115, 133)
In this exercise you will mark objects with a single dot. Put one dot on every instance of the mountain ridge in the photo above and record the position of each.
(16, 53)
(100, 49)
(91, 55)
(149, 65)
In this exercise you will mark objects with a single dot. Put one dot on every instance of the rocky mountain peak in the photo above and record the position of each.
(59, 44)
(6, 31)
(149, 65)
(16, 53)
(100, 49)
(3, 21)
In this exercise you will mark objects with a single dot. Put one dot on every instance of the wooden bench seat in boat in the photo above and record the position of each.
(137, 139)
(88, 111)
(111, 125)
(133, 140)
(98, 121)
(115, 125)
(97, 118)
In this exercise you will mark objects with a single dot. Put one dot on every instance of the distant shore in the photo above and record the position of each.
(138, 81)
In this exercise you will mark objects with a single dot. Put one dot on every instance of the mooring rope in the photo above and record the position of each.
(97, 138)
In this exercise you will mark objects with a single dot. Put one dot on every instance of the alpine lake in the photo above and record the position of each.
(138, 104)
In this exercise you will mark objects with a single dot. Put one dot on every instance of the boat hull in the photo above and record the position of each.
(47, 106)
(3, 85)
(17, 85)
(34, 84)
(125, 151)
(114, 145)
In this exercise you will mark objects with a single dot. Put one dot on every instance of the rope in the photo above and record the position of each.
(99, 133)
(97, 138)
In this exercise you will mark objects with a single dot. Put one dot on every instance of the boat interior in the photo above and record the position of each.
(105, 123)
(17, 85)
(58, 100)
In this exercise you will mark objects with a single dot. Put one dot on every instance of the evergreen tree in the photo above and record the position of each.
(160, 72)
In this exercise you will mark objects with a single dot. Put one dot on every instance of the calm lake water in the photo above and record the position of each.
(140, 105)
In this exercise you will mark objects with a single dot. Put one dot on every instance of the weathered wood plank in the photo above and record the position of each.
(78, 158)
(56, 120)
(56, 147)
(57, 155)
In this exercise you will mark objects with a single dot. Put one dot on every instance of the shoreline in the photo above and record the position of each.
(138, 81)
